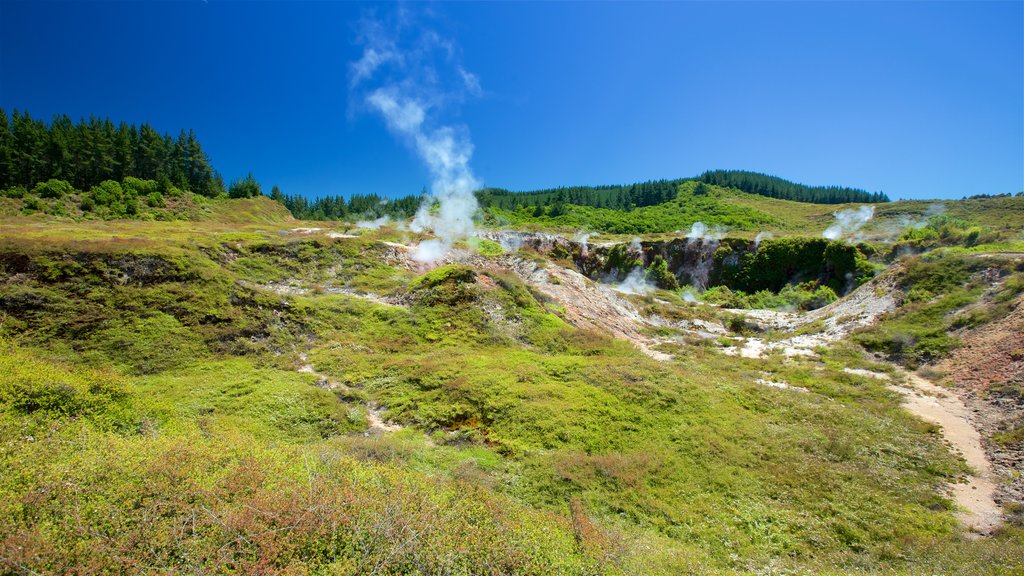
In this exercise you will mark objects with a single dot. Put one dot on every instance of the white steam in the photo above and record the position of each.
(373, 224)
(761, 236)
(701, 231)
(410, 86)
(933, 209)
(582, 237)
(848, 222)
(635, 283)
(430, 250)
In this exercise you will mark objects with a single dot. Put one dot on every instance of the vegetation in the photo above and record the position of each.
(612, 197)
(943, 230)
(366, 206)
(805, 296)
(775, 187)
(92, 152)
(937, 286)
(553, 201)
(154, 379)
(205, 396)
(778, 262)
(679, 214)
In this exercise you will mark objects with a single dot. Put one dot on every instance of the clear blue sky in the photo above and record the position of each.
(918, 99)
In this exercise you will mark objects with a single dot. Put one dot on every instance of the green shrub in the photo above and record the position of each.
(53, 189)
(781, 261)
(919, 235)
(155, 200)
(486, 247)
(14, 192)
(32, 204)
(659, 273)
(30, 385)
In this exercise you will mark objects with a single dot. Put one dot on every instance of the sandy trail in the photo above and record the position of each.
(979, 511)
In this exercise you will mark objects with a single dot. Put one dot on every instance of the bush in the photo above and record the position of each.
(139, 186)
(155, 200)
(152, 344)
(53, 188)
(31, 385)
(658, 272)
(14, 192)
(807, 296)
(32, 204)
(781, 261)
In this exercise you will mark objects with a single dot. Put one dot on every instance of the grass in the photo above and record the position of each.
(745, 215)
(152, 419)
(234, 395)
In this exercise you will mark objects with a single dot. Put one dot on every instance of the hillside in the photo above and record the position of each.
(743, 214)
(242, 391)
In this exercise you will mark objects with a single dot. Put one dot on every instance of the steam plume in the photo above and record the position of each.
(701, 231)
(408, 74)
(373, 224)
(848, 222)
(635, 283)
(760, 237)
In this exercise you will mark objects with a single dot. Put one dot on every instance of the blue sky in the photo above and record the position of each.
(918, 99)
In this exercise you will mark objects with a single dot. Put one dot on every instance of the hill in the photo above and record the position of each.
(744, 214)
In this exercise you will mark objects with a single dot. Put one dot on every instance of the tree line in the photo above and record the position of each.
(87, 153)
(775, 187)
(370, 206)
(654, 192)
(614, 197)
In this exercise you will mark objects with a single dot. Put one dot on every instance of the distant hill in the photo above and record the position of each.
(654, 192)
(747, 214)
(775, 187)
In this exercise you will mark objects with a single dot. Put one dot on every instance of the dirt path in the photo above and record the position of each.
(979, 511)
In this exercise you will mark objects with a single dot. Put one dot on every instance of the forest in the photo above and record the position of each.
(357, 206)
(775, 187)
(87, 153)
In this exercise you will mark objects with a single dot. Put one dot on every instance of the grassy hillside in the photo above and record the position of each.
(155, 384)
(133, 199)
(745, 215)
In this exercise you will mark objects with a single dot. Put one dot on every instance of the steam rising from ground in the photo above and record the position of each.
(933, 209)
(848, 222)
(708, 241)
(409, 74)
(373, 224)
(701, 231)
(688, 294)
(760, 237)
(635, 283)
